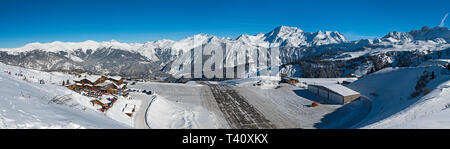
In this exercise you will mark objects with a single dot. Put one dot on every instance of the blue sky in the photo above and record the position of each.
(25, 21)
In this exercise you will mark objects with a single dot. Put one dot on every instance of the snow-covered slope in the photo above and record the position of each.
(358, 58)
(71, 47)
(166, 114)
(394, 104)
(181, 106)
(28, 104)
(65, 97)
(429, 112)
(439, 34)
(295, 37)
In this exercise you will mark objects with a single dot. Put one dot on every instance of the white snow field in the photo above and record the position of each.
(54, 78)
(269, 82)
(288, 106)
(26, 105)
(390, 91)
(386, 102)
(52, 89)
(167, 114)
(192, 105)
(181, 106)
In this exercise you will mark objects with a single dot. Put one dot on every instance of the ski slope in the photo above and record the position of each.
(181, 106)
(166, 114)
(26, 105)
(430, 112)
(53, 89)
(390, 92)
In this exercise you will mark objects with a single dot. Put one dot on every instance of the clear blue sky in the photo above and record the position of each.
(25, 21)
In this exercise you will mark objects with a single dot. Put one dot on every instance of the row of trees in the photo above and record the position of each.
(65, 82)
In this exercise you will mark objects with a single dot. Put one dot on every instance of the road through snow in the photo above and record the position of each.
(237, 111)
(140, 119)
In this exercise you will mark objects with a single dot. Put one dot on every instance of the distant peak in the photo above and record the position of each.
(287, 29)
(425, 33)
(202, 35)
(242, 36)
(90, 41)
(113, 41)
(425, 28)
(440, 27)
(32, 45)
(163, 41)
(283, 32)
(57, 42)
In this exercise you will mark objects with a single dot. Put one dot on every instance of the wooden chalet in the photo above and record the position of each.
(102, 85)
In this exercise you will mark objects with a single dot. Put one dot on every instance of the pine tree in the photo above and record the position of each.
(67, 82)
(63, 83)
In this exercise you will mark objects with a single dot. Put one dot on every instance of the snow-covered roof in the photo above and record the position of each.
(105, 101)
(79, 84)
(116, 77)
(340, 89)
(121, 86)
(107, 82)
(108, 96)
(91, 79)
(128, 109)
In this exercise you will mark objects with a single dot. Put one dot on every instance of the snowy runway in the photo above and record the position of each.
(238, 112)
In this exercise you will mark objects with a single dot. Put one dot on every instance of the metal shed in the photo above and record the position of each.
(334, 93)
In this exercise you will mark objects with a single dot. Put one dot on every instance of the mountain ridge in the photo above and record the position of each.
(279, 33)
(295, 45)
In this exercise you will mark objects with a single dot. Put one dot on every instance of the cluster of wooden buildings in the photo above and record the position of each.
(104, 89)
(289, 80)
(104, 104)
(102, 86)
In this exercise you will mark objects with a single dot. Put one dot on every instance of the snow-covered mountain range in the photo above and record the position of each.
(332, 54)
